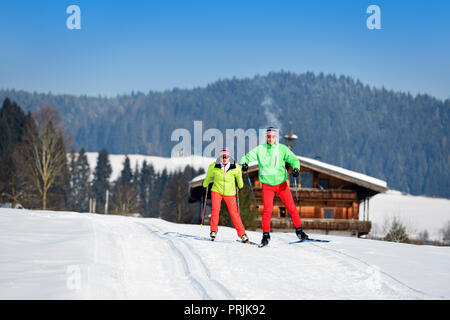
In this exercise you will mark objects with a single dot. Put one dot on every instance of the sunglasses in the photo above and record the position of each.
(225, 157)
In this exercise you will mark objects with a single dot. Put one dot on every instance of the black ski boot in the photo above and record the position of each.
(213, 235)
(300, 234)
(265, 239)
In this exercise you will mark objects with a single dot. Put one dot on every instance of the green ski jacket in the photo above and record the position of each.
(271, 162)
(224, 182)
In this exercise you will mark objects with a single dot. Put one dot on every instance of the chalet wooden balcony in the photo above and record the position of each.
(319, 194)
(317, 197)
(336, 226)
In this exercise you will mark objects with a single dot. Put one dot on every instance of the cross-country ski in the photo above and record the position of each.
(309, 240)
(247, 242)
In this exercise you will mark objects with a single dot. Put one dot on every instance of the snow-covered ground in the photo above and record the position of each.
(67, 255)
(417, 213)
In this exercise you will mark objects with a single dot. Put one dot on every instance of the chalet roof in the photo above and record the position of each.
(332, 170)
(344, 174)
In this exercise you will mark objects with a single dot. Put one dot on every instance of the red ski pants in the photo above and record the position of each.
(216, 200)
(268, 192)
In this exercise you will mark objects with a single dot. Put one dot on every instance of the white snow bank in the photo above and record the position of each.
(65, 255)
(159, 163)
(417, 213)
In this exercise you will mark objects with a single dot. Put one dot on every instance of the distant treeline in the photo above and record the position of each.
(397, 137)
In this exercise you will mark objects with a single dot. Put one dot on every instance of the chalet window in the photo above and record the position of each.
(324, 183)
(328, 213)
(306, 179)
(282, 212)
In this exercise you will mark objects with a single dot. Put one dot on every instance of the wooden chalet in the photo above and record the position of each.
(331, 199)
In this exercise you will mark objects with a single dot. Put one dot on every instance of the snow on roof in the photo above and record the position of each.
(340, 172)
(199, 178)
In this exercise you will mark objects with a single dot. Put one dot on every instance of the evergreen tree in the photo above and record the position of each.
(397, 232)
(101, 182)
(59, 192)
(171, 203)
(126, 176)
(150, 190)
(174, 203)
(12, 123)
(84, 175)
(161, 182)
(24, 183)
(72, 179)
(79, 181)
(125, 195)
(144, 188)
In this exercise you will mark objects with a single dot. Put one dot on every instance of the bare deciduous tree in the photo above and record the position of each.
(125, 199)
(43, 151)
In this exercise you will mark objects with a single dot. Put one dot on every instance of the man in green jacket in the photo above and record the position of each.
(226, 173)
(272, 157)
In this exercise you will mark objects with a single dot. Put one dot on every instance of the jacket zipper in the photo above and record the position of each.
(224, 172)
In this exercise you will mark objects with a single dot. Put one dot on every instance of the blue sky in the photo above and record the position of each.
(156, 45)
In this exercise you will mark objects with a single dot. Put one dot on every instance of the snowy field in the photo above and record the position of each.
(67, 255)
(416, 213)
(159, 163)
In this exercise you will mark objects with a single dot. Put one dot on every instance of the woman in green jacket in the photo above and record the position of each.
(226, 174)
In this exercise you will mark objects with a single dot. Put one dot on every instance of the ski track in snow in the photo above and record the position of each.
(367, 281)
(372, 276)
(194, 267)
(415, 293)
(134, 258)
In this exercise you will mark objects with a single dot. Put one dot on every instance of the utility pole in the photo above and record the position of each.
(106, 202)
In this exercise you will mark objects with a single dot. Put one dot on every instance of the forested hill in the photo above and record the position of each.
(394, 136)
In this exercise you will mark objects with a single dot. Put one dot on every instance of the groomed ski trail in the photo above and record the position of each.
(121, 257)
(125, 247)
(194, 268)
(347, 276)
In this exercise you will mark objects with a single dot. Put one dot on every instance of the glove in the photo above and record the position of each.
(244, 167)
(295, 172)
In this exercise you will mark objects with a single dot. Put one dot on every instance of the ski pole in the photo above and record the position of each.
(251, 188)
(237, 198)
(204, 206)
(296, 195)
(296, 188)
